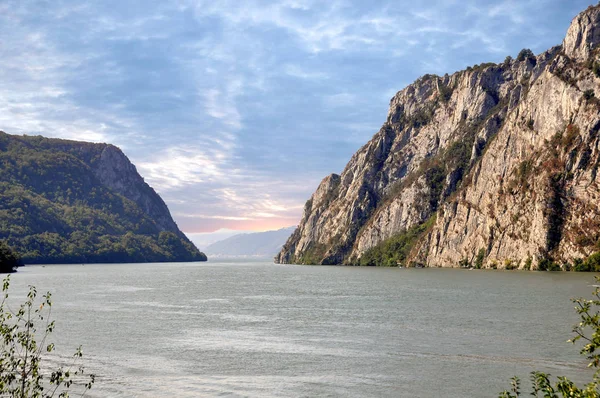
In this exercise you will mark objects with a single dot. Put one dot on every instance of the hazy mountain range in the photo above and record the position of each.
(257, 244)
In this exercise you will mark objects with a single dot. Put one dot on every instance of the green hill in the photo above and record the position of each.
(74, 202)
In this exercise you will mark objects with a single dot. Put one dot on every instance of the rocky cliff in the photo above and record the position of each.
(66, 201)
(496, 164)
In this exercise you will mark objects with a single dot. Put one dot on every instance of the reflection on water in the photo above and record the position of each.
(263, 330)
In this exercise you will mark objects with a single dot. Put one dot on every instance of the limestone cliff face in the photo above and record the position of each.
(116, 172)
(504, 155)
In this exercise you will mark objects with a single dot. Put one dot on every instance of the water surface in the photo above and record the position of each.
(253, 329)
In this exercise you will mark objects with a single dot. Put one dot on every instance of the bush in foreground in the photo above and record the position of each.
(23, 346)
(588, 331)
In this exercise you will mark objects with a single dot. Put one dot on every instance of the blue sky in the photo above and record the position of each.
(235, 110)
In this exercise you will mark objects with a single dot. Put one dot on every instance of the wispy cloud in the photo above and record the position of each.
(221, 104)
(340, 100)
(297, 71)
(215, 190)
(318, 34)
(180, 166)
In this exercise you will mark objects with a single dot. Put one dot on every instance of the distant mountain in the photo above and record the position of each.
(203, 239)
(78, 202)
(258, 244)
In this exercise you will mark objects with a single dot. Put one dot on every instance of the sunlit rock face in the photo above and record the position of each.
(505, 156)
(583, 35)
(116, 172)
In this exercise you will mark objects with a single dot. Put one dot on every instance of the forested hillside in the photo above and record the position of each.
(66, 201)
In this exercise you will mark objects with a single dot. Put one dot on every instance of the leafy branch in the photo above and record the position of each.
(22, 374)
(588, 331)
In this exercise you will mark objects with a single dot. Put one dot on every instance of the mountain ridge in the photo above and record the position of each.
(255, 244)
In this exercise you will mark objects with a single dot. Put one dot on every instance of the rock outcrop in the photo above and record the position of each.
(115, 171)
(504, 156)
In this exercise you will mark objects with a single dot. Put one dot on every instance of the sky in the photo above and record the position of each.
(233, 111)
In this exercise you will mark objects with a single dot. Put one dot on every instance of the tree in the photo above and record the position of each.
(9, 261)
(588, 331)
(23, 348)
(525, 54)
(479, 259)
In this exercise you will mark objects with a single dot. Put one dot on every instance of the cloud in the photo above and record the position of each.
(183, 165)
(319, 27)
(212, 217)
(510, 9)
(297, 71)
(234, 111)
(221, 104)
(339, 100)
(217, 191)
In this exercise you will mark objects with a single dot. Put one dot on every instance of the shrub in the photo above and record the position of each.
(589, 264)
(525, 54)
(554, 266)
(578, 265)
(541, 382)
(445, 92)
(595, 67)
(523, 173)
(593, 262)
(435, 177)
(527, 265)
(525, 168)
(313, 255)
(530, 124)
(509, 264)
(547, 264)
(588, 94)
(570, 136)
(584, 240)
(479, 259)
(23, 371)
(422, 116)
(464, 263)
(397, 248)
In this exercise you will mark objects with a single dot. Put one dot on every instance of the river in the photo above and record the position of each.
(255, 329)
